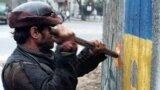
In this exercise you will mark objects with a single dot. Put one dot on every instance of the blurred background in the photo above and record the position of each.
(129, 27)
(84, 17)
(82, 9)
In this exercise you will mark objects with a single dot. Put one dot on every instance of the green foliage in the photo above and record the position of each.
(85, 12)
(99, 7)
(3, 0)
(88, 7)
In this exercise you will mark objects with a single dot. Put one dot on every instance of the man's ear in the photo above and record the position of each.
(34, 32)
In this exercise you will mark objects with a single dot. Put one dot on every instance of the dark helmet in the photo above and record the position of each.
(33, 13)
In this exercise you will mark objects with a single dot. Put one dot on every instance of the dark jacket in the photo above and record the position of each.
(26, 70)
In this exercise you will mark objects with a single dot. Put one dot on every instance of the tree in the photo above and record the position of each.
(80, 9)
(99, 7)
(85, 9)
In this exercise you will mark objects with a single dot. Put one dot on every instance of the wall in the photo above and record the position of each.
(113, 28)
(155, 80)
(128, 30)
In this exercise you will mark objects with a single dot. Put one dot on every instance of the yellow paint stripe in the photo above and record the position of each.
(138, 50)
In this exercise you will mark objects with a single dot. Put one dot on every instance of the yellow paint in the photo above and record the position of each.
(140, 51)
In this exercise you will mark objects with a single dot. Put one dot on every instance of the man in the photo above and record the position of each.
(32, 65)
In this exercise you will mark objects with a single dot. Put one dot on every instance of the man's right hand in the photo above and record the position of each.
(65, 38)
(63, 34)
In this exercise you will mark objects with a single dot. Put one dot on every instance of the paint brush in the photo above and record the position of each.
(87, 44)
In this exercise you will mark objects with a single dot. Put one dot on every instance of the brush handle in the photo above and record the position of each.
(89, 45)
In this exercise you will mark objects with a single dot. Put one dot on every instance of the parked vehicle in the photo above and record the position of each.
(3, 13)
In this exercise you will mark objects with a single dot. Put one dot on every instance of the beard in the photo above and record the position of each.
(46, 45)
(46, 48)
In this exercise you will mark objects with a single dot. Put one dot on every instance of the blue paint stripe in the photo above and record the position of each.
(132, 17)
(146, 19)
(138, 18)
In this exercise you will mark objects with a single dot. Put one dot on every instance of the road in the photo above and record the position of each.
(7, 43)
(85, 30)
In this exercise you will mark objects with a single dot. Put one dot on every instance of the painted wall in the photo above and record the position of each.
(128, 30)
(137, 45)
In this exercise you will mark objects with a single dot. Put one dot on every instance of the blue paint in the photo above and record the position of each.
(146, 19)
(138, 18)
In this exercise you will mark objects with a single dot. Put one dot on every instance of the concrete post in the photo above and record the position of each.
(155, 80)
(113, 28)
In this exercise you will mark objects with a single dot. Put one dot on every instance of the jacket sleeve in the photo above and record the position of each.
(88, 62)
(64, 76)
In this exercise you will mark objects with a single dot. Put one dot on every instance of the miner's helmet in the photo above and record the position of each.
(33, 13)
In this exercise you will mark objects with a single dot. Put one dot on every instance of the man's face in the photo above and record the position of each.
(46, 41)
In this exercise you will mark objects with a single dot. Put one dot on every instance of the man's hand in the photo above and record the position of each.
(68, 46)
(63, 34)
(99, 47)
(65, 38)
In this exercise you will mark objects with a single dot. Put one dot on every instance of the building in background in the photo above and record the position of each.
(58, 5)
(13, 3)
